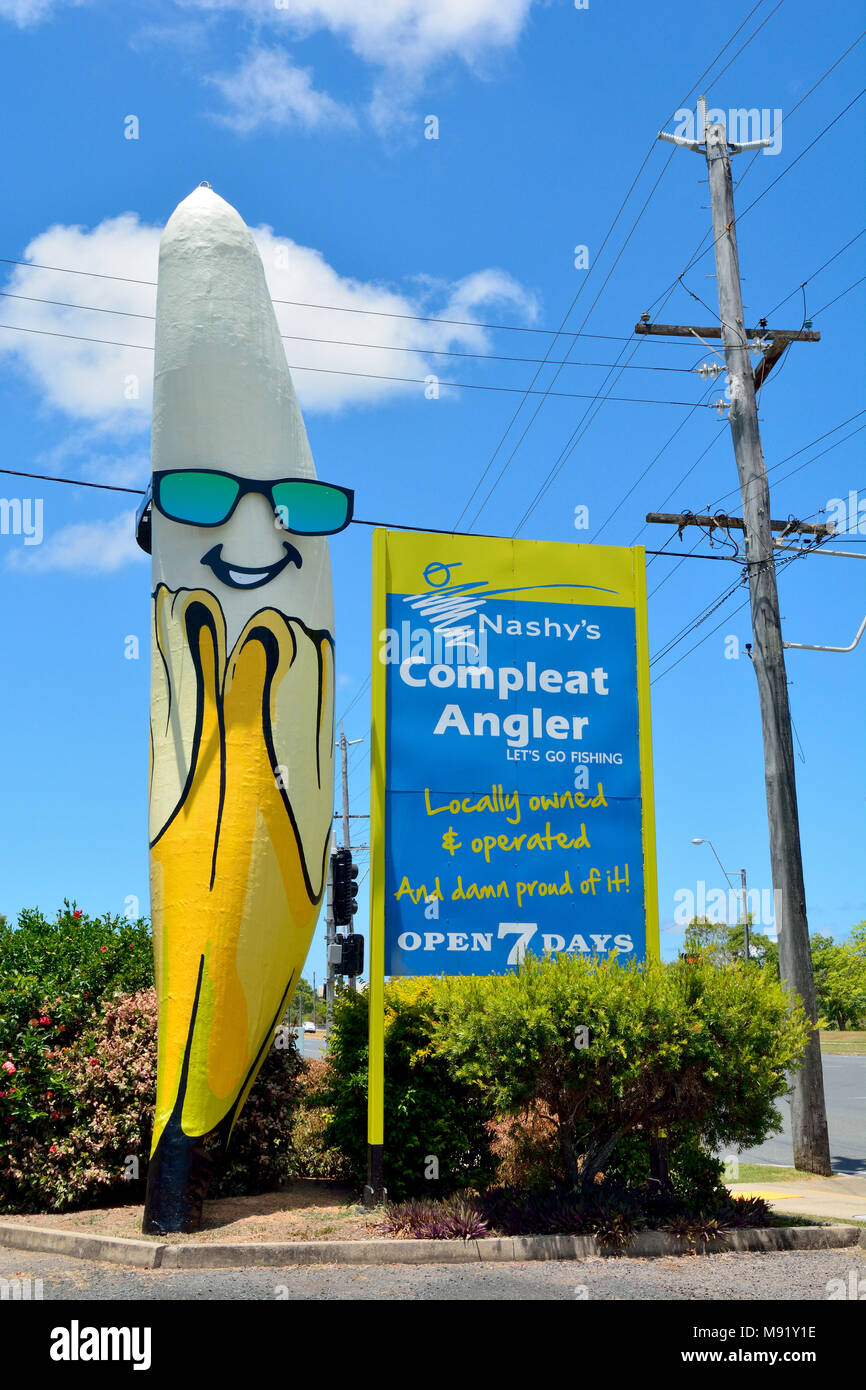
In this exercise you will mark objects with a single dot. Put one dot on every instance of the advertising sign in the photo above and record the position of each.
(512, 775)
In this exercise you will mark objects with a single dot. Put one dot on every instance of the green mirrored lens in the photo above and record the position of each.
(197, 497)
(310, 508)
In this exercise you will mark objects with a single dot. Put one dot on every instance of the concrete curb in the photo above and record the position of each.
(113, 1249)
(648, 1244)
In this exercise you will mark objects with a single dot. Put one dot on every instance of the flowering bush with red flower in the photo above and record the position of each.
(89, 1141)
(54, 975)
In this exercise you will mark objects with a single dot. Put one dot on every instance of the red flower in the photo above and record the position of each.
(10, 1067)
(55, 1114)
(49, 1095)
(53, 1149)
(45, 1020)
(103, 949)
(78, 913)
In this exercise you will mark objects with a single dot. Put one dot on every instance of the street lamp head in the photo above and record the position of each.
(697, 842)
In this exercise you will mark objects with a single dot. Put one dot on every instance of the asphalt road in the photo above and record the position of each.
(788, 1276)
(314, 1047)
(845, 1095)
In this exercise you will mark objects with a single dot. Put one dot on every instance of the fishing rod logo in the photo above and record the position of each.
(77, 1343)
(741, 124)
(22, 516)
(449, 641)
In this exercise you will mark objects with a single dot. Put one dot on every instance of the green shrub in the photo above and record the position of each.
(315, 1157)
(430, 1112)
(693, 1048)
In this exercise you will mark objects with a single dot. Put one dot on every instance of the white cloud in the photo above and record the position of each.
(268, 90)
(389, 33)
(25, 12)
(400, 39)
(86, 380)
(394, 33)
(86, 547)
(107, 387)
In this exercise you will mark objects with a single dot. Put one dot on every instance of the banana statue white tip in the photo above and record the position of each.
(242, 692)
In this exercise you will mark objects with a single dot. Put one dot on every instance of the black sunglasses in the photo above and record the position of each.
(205, 497)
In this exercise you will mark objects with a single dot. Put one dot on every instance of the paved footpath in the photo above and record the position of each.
(783, 1276)
(839, 1198)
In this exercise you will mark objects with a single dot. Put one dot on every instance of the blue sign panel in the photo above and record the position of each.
(511, 798)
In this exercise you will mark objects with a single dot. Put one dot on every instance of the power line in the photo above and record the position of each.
(307, 304)
(816, 273)
(691, 468)
(699, 253)
(356, 520)
(811, 145)
(366, 376)
(573, 442)
(782, 564)
(735, 492)
(700, 642)
(583, 285)
(336, 342)
(695, 622)
(653, 461)
(549, 391)
(839, 296)
(529, 390)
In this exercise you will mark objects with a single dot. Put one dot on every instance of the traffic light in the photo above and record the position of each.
(346, 954)
(345, 887)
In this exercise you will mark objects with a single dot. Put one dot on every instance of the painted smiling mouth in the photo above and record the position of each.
(240, 577)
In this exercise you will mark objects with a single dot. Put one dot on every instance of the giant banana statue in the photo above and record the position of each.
(242, 691)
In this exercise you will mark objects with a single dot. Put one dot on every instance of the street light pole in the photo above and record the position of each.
(745, 897)
(744, 901)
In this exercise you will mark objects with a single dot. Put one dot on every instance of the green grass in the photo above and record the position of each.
(759, 1172)
(824, 1221)
(851, 1042)
(786, 1218)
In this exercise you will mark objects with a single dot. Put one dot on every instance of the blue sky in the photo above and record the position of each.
(310, 118)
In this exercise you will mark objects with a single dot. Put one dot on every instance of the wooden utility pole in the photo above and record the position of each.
(808, 1112)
